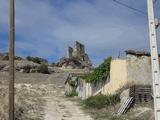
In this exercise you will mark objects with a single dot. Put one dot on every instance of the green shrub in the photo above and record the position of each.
(72, 94)
(101, 101)
(27, 68)
(36, 60)
(101, 72)
(43, 69)
(73, 83)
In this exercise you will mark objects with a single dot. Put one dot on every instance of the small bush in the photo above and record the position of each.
(101, 101)
(27, 68)
(72, 94)
(36, 60)
(43, 69)
(73, 83)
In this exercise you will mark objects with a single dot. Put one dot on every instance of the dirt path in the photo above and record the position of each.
(59, 108)
(40, 97)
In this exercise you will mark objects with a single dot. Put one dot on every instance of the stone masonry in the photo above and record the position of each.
(77, 52)
(76, 58)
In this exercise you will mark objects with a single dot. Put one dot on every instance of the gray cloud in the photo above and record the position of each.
(45, 28)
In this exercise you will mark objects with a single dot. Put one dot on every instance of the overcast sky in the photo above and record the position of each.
(45, 28)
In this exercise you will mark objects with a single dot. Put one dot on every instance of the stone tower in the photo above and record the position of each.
(70, 52)
(80, 50)
(78, 54)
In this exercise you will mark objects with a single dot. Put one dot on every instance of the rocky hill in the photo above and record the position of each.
(26, 65)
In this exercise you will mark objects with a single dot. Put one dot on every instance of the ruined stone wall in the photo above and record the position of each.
(70, 52)
(139, 69)
(80, 50)
(76, 57)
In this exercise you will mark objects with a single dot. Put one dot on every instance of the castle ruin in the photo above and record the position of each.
(77, 52)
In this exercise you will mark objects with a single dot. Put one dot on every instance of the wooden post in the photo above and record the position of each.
(11, 62)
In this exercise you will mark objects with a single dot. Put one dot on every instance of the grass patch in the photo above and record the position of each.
(101, 101)
(72, 94)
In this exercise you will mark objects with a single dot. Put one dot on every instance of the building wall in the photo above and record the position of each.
(139, 69)
(84, 89)
(134, 70)
(124, 72)
(118, 76)
(97, 88)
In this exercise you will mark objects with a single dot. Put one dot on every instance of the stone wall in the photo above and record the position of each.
(80, 50)
(70, 52)
(77, 52)
(139, 69)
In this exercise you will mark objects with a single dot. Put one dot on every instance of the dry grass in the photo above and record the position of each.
(28, 102)
(142, 111)
(3, 103)
(28, 98)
